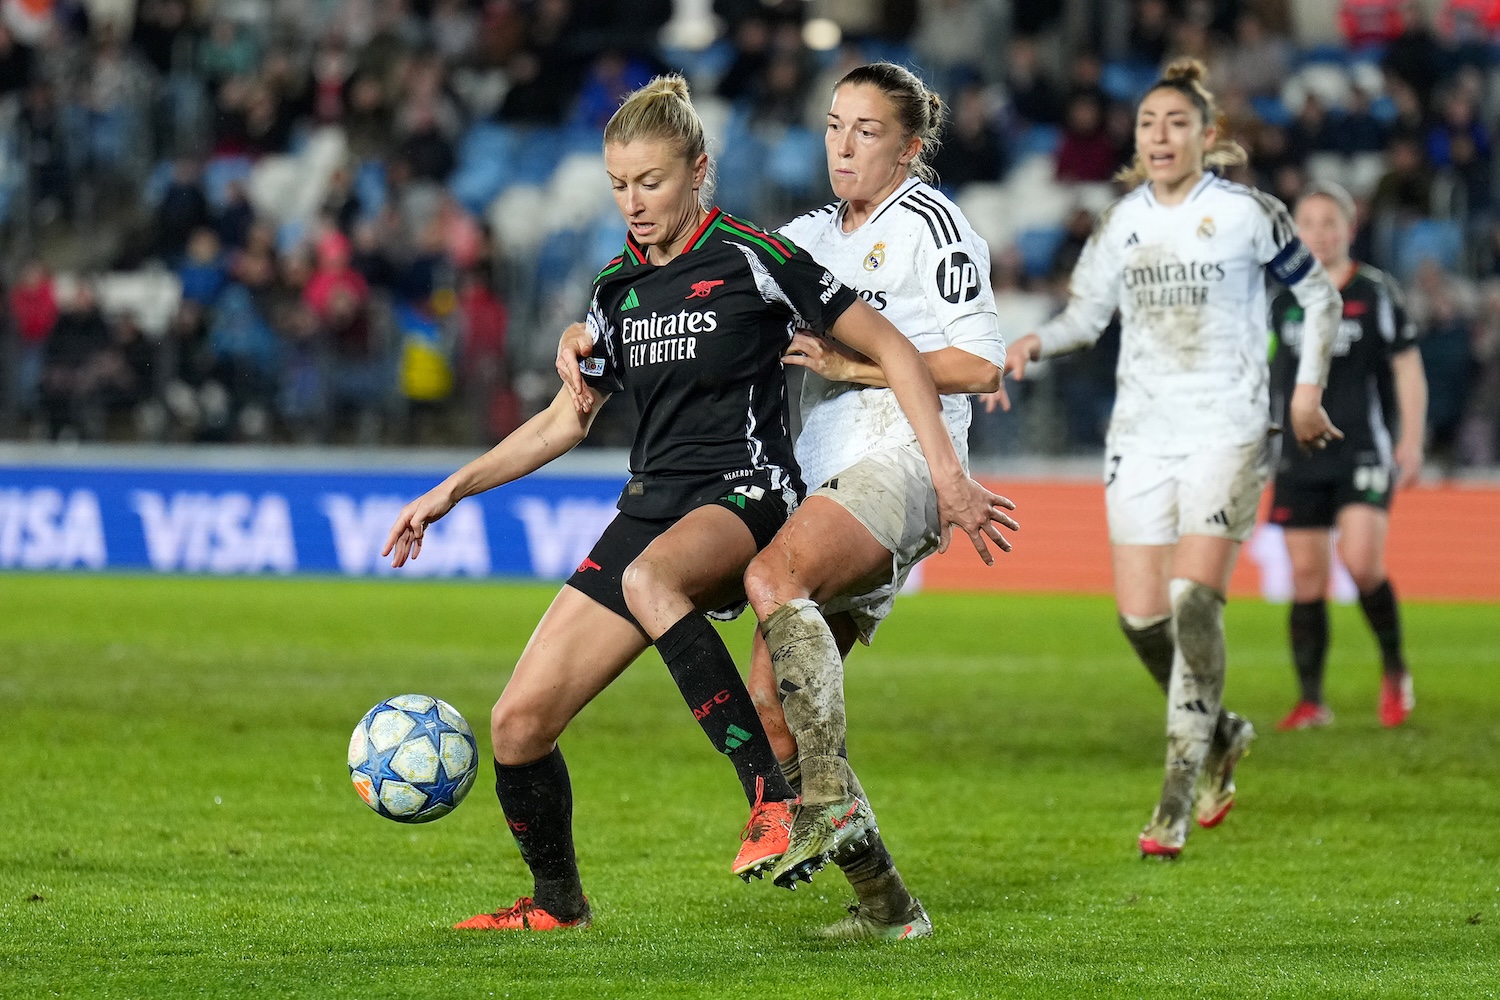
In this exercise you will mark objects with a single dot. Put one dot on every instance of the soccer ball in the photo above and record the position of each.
(413, 758)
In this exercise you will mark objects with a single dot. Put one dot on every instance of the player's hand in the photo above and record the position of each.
(1409, 454)
(1017, 357)
(1310, 423)
(575, 345)
(405, 539)
(976, 512)
(824, 356)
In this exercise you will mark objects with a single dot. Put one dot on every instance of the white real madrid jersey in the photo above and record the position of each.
(1189, 281)
(918, 262)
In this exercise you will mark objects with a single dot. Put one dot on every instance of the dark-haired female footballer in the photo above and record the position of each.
(1183, 257)
(691, 320)
(1348, 484)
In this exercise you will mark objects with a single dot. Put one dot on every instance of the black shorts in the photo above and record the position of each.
(1315, 503)
(762, 509)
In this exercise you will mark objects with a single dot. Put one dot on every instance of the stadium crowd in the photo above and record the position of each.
(367, 220)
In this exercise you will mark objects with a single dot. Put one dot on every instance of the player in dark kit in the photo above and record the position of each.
(691, 321)
(1376, 370)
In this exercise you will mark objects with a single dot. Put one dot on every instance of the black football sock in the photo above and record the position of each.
(537, 799)
(707, 677)
(792, 769)
(1153, 643)
(1381, 611)
(1309, 629)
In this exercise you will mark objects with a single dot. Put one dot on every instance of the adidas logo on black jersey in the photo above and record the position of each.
(630, 301)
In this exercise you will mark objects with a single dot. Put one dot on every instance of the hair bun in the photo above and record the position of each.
(1185, 69)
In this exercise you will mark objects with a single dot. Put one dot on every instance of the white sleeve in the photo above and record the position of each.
(1291, 263)
(979, 334)
(1093, 295)
(956, 279)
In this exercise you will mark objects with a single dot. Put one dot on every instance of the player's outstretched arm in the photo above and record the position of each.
(961, 501)
(953, 369)
(553, 432)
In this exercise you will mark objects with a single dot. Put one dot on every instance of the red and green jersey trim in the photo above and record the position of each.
(778, 247)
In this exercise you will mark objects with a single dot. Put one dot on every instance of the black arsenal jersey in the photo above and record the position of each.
(1360, 397)
(697, 343)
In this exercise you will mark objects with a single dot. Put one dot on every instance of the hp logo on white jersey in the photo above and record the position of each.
(957, 278)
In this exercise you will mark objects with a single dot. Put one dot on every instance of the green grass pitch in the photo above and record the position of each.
(176, 818)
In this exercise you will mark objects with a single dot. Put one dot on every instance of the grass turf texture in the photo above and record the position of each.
(176, 818)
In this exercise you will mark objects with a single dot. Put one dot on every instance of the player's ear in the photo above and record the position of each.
(910, 153)
(700, 170)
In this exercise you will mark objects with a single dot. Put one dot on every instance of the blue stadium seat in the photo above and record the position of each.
(1037, 248)
(1440, 240)
(369, 186)
(218, 174)
(157, 182)
(1271, 111)
(796, 162)
(1127, 81)
(1330, 53)
(1038, 139)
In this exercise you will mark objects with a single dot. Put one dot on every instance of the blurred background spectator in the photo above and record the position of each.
(365, 221)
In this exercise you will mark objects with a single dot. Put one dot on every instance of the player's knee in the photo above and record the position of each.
(519, 733)
(766, 585)
(643, 583)
(1367, 573)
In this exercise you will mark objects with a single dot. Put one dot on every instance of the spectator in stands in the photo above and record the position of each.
(1443, 306)
(953, 42)
(183, 209)
(610, 80)
(233, 221)
(492, 406)
(752, 52)
(244, 344)
(1150, 33)
(226, 52)
(340, 300)
(1467, 28)
(452, 25)
(1458, 145)
(425, 152)
(972, 150)
(301, 399)
(1034, 99)
(161, 27)
(51, 178)
(1480, 428)
(203, 271)
(1314, 130)
(1415, 56)
(1406, 188)
(368, 125)
(33, 313)
(1371, 23)
(1087, 154)
(1257, 63)
(15, 63)
(1359, 131)
(75, 363)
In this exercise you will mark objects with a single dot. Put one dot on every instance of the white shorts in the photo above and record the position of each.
(1156, 499)
(891, 494)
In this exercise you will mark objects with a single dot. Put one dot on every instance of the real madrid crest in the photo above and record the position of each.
(875, 257)
(1206, 228)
